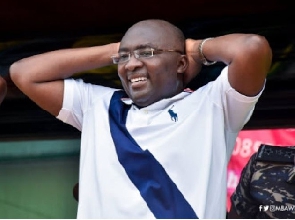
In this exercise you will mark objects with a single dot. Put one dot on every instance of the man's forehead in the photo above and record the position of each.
(146, 36)
(128, 47)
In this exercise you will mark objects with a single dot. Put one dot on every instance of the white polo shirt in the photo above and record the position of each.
(193, 143)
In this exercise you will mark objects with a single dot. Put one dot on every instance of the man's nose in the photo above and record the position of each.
(133, 63)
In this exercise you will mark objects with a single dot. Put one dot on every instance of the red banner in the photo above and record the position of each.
(247, 143)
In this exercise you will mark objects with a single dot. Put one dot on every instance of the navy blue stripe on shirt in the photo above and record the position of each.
(160, 193)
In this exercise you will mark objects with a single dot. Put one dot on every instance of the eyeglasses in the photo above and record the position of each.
(144, 53)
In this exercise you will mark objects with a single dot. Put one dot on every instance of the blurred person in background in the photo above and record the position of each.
(266, 188)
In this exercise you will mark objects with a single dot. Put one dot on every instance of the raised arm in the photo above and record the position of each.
(41, 77)
(248, 57)
(3, 89)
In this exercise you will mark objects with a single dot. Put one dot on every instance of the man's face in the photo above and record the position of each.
(148, 80)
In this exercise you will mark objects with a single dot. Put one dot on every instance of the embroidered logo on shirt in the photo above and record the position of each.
(172, 114)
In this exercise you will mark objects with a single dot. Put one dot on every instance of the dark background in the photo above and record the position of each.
(31, 27)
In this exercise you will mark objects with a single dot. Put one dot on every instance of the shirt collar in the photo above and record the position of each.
(162, 104)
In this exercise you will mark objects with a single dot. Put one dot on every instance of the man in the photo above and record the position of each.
(3, 89)
(155, 150)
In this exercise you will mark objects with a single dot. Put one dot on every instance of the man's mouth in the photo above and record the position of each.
(139, 79)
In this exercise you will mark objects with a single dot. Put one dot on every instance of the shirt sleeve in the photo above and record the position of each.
(238, 108)
(77, 99)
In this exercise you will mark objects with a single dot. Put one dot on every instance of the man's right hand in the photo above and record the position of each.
(194, 61)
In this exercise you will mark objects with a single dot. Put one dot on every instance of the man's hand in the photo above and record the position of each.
(194, 61)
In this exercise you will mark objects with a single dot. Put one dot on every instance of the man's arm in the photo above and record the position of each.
(248, 57)
(3, 89)
(41, 77)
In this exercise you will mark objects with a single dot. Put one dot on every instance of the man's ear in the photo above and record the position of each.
(192, 69)
(182, 64)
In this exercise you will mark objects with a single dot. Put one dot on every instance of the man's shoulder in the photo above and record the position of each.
(87, 87)
(276, 154)
(274, 165)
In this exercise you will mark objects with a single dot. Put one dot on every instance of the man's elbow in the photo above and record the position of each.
(14, 70)
(17, 73)
(260, 49)
(266, 50)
